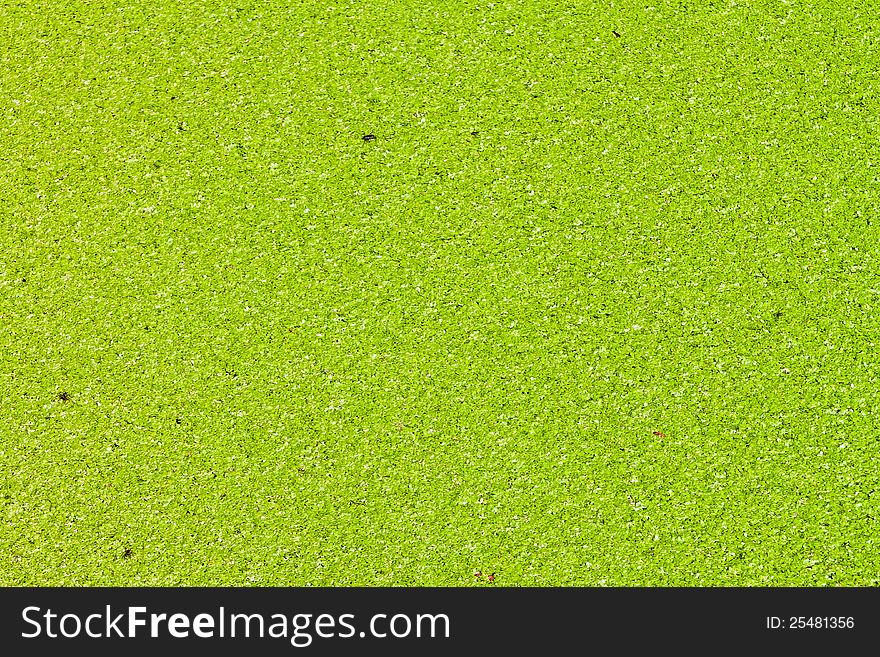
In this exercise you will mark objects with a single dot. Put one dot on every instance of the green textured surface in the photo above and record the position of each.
(295, 357)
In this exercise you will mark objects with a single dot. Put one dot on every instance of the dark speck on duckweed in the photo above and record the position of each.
(369, 137)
